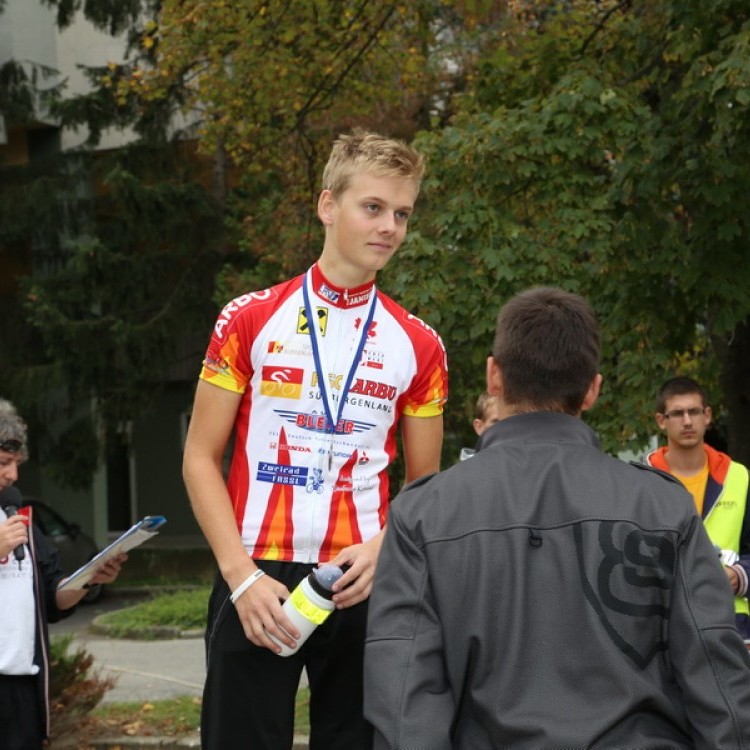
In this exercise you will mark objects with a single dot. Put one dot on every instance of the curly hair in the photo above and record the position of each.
(12, 427)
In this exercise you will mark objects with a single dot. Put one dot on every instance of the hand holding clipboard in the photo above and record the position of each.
(133, 537)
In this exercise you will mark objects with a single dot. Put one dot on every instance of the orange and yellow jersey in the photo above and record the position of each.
(302, 488)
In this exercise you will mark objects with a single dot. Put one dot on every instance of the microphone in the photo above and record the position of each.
(11, 501)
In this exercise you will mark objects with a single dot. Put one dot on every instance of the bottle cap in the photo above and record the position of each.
(323, 578)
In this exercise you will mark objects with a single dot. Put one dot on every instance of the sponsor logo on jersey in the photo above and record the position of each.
(281, 474)
(283, 347)
(373, 359)
(226, 315)
(357, 299)
(361, 386)
(220, 366)
(373, 388)
(303, 325)
(281, 382)
(291, 448)
(331, 294)
(350, 300)
(316, 422)
(335, 381)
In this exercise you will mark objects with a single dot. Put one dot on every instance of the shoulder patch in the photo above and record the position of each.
(664, 474)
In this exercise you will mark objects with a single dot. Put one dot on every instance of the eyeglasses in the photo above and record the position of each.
(680, 413)
(11, 445)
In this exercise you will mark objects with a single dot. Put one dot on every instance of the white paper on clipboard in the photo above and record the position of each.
(133, 537)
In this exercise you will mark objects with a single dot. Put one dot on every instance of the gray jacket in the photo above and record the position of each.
(545, 596)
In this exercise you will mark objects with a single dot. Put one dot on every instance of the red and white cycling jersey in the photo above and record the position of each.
(301, 491)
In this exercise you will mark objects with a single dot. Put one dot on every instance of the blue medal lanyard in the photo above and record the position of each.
(321, 366)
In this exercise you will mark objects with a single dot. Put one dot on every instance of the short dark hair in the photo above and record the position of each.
(547, 344)
(679, 386)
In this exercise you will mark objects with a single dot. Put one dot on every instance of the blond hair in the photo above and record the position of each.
(485, 402)
(363, 151)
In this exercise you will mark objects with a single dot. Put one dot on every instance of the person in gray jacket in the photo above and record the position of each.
(545, 595)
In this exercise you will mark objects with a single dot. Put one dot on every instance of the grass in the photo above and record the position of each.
(154, 617)
(170, 718)
(167, 718)
(158, 616)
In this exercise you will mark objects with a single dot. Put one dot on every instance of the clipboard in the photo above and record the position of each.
(136, 535)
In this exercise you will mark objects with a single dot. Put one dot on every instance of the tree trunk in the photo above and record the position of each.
(219, 187)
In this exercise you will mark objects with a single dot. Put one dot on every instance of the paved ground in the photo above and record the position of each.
(143, 670)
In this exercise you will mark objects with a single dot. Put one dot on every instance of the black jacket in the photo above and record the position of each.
(47, 575)
(545, 596)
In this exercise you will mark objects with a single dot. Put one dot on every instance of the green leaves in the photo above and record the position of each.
(618, 173)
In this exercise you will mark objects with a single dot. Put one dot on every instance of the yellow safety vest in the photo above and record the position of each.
(724, 521)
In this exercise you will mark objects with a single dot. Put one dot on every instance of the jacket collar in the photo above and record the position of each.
(718, 462)
(539, 427)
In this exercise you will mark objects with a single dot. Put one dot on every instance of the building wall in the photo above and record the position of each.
(82, 44)
(28, 33)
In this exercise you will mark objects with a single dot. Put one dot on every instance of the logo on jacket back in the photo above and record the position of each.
(627, 577)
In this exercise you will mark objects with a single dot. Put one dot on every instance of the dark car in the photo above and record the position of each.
(75, 547)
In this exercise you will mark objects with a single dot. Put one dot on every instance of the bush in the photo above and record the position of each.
(75, 689)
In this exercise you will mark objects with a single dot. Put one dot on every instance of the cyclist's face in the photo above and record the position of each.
(365, 226)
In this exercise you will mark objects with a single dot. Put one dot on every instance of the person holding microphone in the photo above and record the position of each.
(29, 579)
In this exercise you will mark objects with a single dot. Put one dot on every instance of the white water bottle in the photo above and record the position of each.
(310, 603)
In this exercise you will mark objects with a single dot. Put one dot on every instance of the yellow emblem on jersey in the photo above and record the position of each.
(303, 325)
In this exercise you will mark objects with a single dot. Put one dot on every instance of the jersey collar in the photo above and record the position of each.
(339, 296)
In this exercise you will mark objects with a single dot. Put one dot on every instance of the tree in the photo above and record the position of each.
(124, 248)
(265, 86)
(602, 150)
(270, 84)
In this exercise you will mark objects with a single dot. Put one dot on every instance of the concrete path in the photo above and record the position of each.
(143, 670)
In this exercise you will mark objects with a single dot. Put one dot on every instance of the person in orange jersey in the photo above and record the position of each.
(313, 378)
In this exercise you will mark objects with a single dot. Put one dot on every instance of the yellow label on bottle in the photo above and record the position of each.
(307, 609)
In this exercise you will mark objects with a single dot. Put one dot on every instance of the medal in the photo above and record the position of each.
(333, 415)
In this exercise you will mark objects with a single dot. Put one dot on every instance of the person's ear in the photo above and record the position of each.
(494, 377)
(326, 204)
(709, 416)
(592, 394)
(660, 421)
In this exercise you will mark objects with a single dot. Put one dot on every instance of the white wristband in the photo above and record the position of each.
(246, 584)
